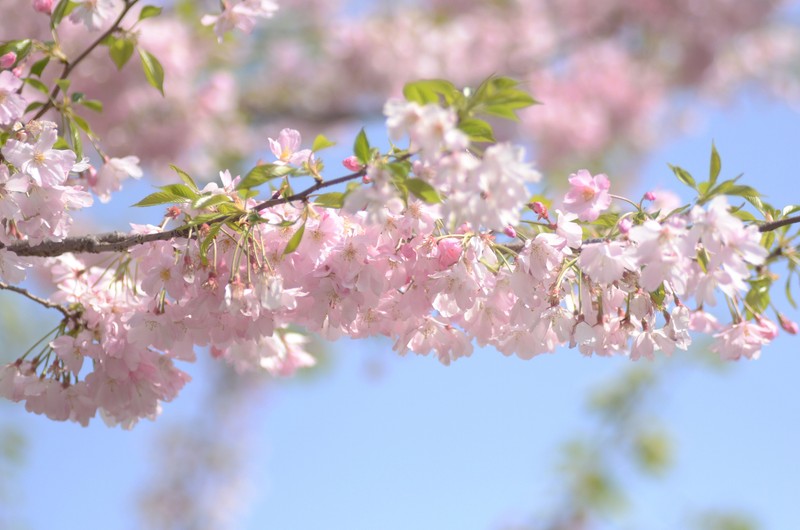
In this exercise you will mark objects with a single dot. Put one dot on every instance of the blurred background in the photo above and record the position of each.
(369, 440)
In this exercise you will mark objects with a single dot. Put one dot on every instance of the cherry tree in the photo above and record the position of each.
(438, 242)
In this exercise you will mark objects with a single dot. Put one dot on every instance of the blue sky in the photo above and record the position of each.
(473, 445)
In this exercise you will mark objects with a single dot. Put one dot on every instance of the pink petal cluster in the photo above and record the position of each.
(588, 196)
(240, 15)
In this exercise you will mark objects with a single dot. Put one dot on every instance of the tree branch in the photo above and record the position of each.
(774, 225)
(42, 301)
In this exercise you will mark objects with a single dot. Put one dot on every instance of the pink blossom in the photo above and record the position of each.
(788, 326)
(112, 173)
(45, 165)
(241, 15)
(286, 148)
(744, 339)
(95, 13)
(605, 262)
(588, 196)
(449, 251)
(12, 104)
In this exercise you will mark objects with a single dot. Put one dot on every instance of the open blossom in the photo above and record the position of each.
(605, 262)
(11, 104)
(588, 196)
(45, 165)
(287, 148)
(240, 15)
(94, 13)
(111, 175)
(744, 339)
(431, 128)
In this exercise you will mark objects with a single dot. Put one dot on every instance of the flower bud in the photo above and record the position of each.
(352, 163)
(43, 6)
(624, 225)
(649, 196)
(788, 325)
(449, 251)
(510, 232)
(7, 60)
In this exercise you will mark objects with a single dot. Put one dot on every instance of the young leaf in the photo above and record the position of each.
(294, 242)
(321, 142)
(63, 9)
(684, 176)
(92, 104)
(207, 201)
(423, 190)
(180, 190)
(149, 11)
(716, 166)
(38, 67)
(21, 48)
(334, 199)
(212, 234)
(430, 91)
(189, 181)
(261, 174)
(477, 130)
(361, 148)
(160, 197)
(120, 51)
(153, 70)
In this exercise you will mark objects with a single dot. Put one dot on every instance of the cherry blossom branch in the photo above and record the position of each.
(119, 241)
(774, 225)
(69, 67)
(41, 301)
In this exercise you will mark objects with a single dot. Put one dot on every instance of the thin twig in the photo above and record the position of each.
(774, 225)
(42, 301)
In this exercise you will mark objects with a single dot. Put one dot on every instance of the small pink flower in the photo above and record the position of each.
(449, 251)
(509, 231)
(540, 209)
(285, 148)
(7, 60)
(625, 225)
(588, 196)
(649, 196)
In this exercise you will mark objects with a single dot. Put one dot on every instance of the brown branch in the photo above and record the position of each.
(69, 67)
(42, 301)
(774, 225)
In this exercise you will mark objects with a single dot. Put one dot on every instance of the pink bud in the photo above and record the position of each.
(510, 232)
(449, 251)
(540, 209)
(352, 163)
(8, 60)
(788, 325)
(624, 225)
(649, 196)
(44, 6)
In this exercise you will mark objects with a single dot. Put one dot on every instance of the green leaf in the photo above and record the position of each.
(83, 124)
(788, 290)
(180, 190)
(153, 70)
(63, 9)
(63, 84)
(75, 136)
(321, 142)
(432, 91)
(423, 190)
(361, 148)
(499, 96)
(92, 104)
(212, 234)
(160, 197)
(38, 85)
(334, 199)
(120, 51)
(207, 201)
(294, 242)
(39, 66)
(716, 166)
(189, 181)
(149, 11)
(33, 106)
(684, 176)
(261, 174)
(477, 130)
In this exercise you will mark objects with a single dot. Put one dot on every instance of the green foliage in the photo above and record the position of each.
(61, 10)
(294, 242)
(263, 173)
(149, 11)
(361, 148)
(334, 199)
(321, 142)
(21, 48)
(153, 70)
(120, 49)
